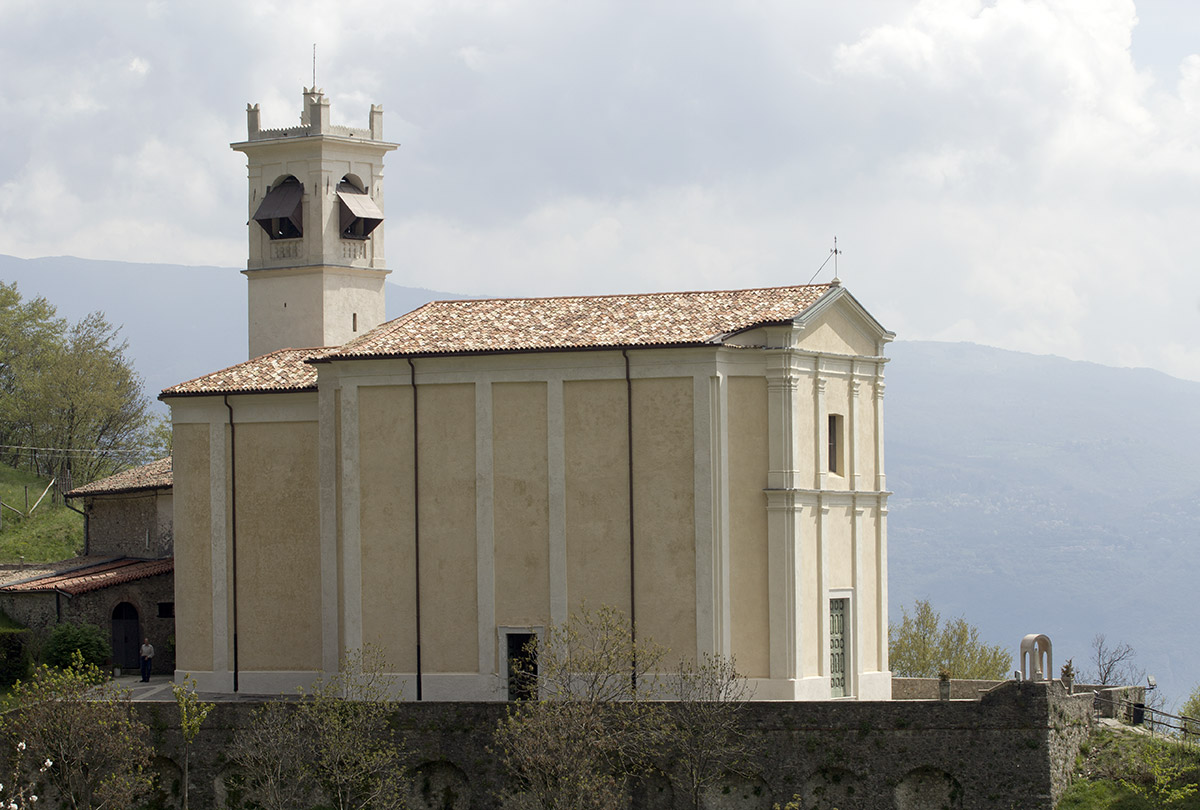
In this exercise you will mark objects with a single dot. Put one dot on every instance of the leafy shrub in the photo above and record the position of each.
(14, 656)
(91, 642)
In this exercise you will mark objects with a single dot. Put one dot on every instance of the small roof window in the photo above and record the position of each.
(359, 213)
(280, 213)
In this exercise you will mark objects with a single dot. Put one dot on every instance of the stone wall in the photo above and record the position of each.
(132, 525)
(41, 611)
(927, 688)
(1013, 748)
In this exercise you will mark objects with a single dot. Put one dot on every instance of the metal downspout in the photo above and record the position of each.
(233, 536)
(416, 521)
(632, 581)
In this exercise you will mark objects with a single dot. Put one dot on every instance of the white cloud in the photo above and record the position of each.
(1005, 172)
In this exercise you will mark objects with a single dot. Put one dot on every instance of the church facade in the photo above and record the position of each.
(448, 484)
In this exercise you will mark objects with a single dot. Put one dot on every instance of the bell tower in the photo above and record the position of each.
(316, 269)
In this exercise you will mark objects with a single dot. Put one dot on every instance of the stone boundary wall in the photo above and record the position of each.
(1014, 748)
(927, 688)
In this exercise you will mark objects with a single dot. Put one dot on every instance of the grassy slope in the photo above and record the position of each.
(54, 532)
(1111, 757)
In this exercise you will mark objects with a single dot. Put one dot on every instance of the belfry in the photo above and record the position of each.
(316, 268)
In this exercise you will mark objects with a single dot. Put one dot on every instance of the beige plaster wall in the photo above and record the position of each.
(284, 309)
(386, 522)
(193, 548)
(832, 331)
(749, 604)
(279, 577)
(521, 517)
(446, 476)
(664, 514)
(597, 500)
(839, 548)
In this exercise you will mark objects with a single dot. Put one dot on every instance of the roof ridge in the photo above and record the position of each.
(605, 295)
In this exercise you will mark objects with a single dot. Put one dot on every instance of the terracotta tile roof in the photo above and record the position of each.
(282, 370)
(155, 475)
(585, 322)
(95, 577)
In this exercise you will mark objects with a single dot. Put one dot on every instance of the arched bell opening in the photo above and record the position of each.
(359, 213)
(280, 213)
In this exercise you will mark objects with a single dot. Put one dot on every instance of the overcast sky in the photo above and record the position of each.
(1020, 173)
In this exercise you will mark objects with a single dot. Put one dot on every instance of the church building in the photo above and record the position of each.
(447, 485)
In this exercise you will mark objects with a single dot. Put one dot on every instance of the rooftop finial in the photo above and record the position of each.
(837, 282)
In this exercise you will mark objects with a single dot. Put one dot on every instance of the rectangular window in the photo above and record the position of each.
(837, 464)
(166, 610)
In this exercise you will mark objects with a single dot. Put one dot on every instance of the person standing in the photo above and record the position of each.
(147, 659)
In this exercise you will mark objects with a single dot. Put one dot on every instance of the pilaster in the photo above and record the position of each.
(784, 592)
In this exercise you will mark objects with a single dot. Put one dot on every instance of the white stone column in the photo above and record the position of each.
(881, 584)
(711, 513)
(351, 583)
(880, 478)
(784, 590)
(821, 430)
(858, 654)
(557, 499)
(327, 396)
(782, 385)
(852, 432)
(218, 496)
(485, 531)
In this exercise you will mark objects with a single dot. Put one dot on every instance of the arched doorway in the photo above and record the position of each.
(126, 636)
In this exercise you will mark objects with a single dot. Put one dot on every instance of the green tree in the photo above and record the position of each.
(73, 407)
(1191, 713)
(80, 722)
(1164, 781)
(921, 645)
(335, 741)
(192, 713)
(708, 740)
(66, 640)
(594, 724)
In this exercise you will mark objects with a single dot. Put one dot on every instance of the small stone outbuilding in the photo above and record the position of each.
(124, 581)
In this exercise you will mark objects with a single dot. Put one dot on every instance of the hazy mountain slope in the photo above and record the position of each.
(1037, 494)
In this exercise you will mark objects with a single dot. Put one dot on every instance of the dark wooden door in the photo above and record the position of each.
(126, 637)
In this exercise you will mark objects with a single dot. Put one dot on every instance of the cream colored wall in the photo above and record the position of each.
(279, 577)
(664, 515)
(749, 602)
(446, 476)
(386, 523)
(833, 332)
(521, 528)
(348, 294)
(285, 310)
(839, 549)
(193, 549)
(597, 500)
